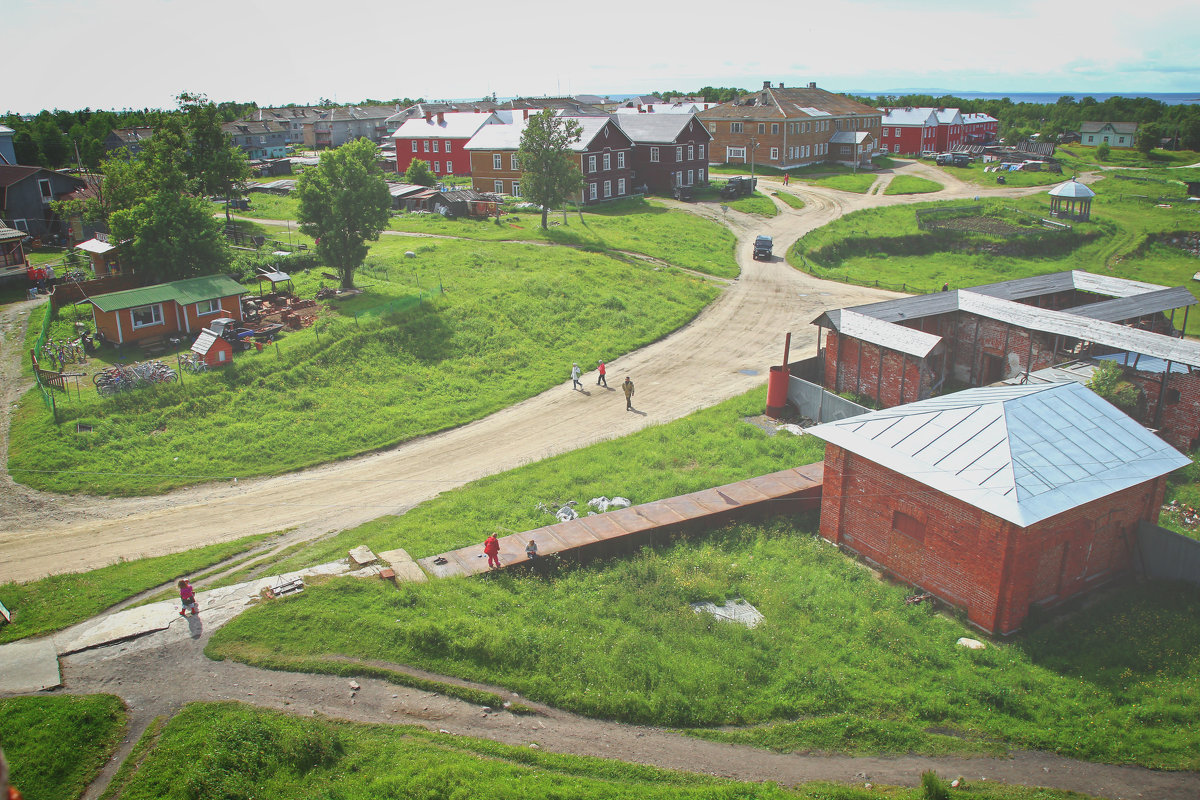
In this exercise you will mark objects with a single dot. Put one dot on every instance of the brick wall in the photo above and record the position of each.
(1179, 423)
(971, 559)
(886, 376)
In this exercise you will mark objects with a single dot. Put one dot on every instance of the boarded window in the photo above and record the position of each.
(911, 527)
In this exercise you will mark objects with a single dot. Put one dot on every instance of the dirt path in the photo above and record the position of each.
(723, 352)
(156, 676)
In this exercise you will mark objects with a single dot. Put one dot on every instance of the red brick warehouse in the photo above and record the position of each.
(996, 500)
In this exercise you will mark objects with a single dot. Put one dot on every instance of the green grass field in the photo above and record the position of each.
(511, 321)
(639, 226)
(56, 745)
(267, 206)
(790, 199)
(839, 652)
(59, 601)
(975, 174)
(230, 750)
(1078, 156)
(858, 183)
(911, 184)
(757, 203)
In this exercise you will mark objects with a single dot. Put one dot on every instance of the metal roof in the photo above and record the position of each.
(1021, 453)
(95, 246)
(453, 124)
(189, 290)
(498, 137)
(1139, 305)
(1143, 363)
(906, 308)
(658, 128)
(885, 334)
(849, 137)
(1065, 281)
(1072, 189)
(8, 234)
(909, 115)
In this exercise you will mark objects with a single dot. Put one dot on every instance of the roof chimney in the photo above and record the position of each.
(781, 84)
(441, 118)
(428, 116)
(524, 113)
(766, 84)
(812, 84)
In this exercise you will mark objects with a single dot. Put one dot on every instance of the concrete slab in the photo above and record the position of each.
(409, 572)
(396, 557)
(362, 556)
(115, 627)
(659, 513)
(29, 666)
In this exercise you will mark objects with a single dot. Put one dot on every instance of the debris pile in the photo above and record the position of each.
(565, 510)
(1181, 514)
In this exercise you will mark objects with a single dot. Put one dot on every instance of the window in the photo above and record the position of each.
(620, 187)
(762, 127)
(435, 145)
(735, 152)
(774, 153)
(425, 142)
(415, 145)
(591, 163)
(712, 127)
(516, 192)
(908, 526)
(514, 162)
(449, 167)
(607, 162)
(591, 191)
(1172, 396)
(208, 307)
(497, 161)
(145, 316)
(700, 175)
(44, 186)
(498, 187)
(678, 154)
(774, 127)
(735, 127)
(437, 167)
(691, 152)
(895, 148)
(700, 152)
(621, 160)
(447, 148)
(691, 177)
(653, 154)
(608, 188)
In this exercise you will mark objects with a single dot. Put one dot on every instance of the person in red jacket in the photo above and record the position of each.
(601, 379)
(491, 546)
(187, 596)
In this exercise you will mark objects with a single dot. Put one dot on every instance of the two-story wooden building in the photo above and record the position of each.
(669, 150)
(440, 140)
(790, 127)
(259, 140)
(25, 197)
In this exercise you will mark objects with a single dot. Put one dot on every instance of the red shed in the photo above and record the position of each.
(215, 351)
(995, 500)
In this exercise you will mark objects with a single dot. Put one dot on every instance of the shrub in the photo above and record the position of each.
(1109, 382)
(1103, 151)
(933, 787)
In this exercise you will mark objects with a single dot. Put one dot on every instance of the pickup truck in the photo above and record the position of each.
(953, 159)
(762, 248)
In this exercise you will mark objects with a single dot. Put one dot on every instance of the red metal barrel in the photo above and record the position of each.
(777, 390)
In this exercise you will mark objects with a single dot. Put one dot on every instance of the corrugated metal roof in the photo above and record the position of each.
(95, 246)
(1139, 305)
(661, 129)
(204, 341)
(190, 290)
(848, 137)
(885, 334)
(455, 124)
(1144, 363)
(498, 137)
(917, 115)
(1072, 189)
(1111, 286)
(1022, 453)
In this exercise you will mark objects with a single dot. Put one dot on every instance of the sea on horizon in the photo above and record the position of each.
(1170, 98)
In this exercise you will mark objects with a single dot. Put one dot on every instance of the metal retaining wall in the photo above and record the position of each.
(819, 405)
(1168, 555)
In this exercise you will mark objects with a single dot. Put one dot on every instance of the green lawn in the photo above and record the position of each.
(757, 203)
(512, 317)
(790, 199)
(59, 601)
(858, 183)
(230, 750)
(56, 745)
(1078, 156)
(839, 652)
(267, 206)
(975, 174)
(911, 184)
(639, 226)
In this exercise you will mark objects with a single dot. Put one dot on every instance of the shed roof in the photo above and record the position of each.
(1139, 305)
(849, 137)
(1072, 189)
(96, 246)
(885, 334)
(1021, 453)
(11, 234)
(189, 290)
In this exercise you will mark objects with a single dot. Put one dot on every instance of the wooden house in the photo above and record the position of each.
(25, 197)
(165, 309)
(669, 150)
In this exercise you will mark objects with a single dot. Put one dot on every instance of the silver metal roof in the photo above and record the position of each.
(1021, 453)
(1139, 305)
(1065, 281)
(876, 331)
(1072, 189)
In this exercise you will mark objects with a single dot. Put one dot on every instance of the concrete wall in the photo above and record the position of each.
(819, 405)
(1167, 555)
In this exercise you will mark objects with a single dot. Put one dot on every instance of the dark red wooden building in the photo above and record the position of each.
(669, 150)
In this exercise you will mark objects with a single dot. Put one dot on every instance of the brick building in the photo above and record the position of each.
(904, 350)
(995, 500)
(669, 150)
(908, 131)
(790, 127)
(440, 140)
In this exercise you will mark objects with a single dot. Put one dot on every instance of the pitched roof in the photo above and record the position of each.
(789, 103)
(11, 234)
(658, 128)
(188, 290)
(1119, 127)
(1021, 453)
(948, 116)
(453, 125)
(975, 119)
(909, 115)
(14, 174)
(498, 137)
(591, 128)
(849, 137)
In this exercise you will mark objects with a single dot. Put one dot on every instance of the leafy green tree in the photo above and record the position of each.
(548, 172)
(1149, 136)
(212, 163)
(419, 174)
(344, 202)
(1109, 382)
(25, 148)
(1103, 151)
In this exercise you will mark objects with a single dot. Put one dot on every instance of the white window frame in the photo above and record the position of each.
(691, 176)
(653, 155)
(46, 189)
(735, 152)
(700, 151)
(895, 148)
(679, 154)
(449, 167)
(691, 152)
(436, 142)
(437, 167)
(426, 143)
(607, 160)
(156, 316)
(591, 163)
(446, 145)
(498, 187)
(607, 189)
(774, 127)
(735, 127)
(700, 175)
(213, 307)
(516, 188)
(416, 146)
(620, 187)
(497, 161)
(620, 159)
(592, 193)
(774, 153)
(514, 162)
(762, 128)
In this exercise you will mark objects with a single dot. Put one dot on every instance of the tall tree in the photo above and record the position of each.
(213, 164)
(1149, 136)
(548, 172)
(419, 173)
(344, 203)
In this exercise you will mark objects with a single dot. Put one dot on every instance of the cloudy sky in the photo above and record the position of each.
(137, 53)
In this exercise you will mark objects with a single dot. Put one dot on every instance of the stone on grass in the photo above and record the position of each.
(619, 502)
(792, 429)
(362, 555)
(971, 644)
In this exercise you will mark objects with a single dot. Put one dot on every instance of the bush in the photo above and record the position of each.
(1102, 152)
(933, 787)
(1109, 382)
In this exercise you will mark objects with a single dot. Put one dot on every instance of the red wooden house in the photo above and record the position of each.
(995, 500)
(439, 140)
(151, 312)
(908, 131)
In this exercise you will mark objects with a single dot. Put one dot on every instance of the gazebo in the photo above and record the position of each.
(1072, 200)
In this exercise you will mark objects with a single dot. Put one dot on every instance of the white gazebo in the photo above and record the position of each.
(1072, 200)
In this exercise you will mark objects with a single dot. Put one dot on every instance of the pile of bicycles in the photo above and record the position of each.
(192, 362)
(127, 377)
(64, 351)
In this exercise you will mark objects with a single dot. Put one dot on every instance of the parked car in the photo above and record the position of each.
(953, 159)
(929, 154)
(762, 248)
(739, 186)
(684, 193)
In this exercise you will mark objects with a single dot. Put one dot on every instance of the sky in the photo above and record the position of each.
(142, 53)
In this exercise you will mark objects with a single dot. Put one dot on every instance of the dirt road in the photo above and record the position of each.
(723, 352)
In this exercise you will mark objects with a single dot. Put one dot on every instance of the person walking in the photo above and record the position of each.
(491, 546)
(627, 386)
(575, 384)
(187, 596)
(785, 179)
(601, 380)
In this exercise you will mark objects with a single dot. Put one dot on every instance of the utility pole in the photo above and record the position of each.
(753, 148)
